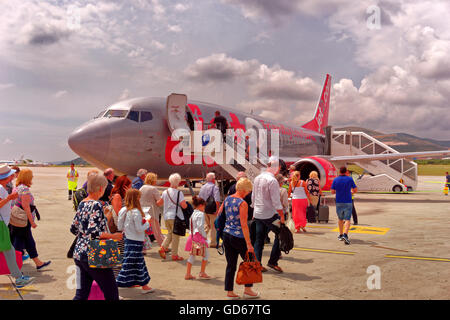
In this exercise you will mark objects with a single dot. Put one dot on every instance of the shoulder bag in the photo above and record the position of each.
(250, 271)
(197, 248)
(19, 217)
(104, 253)
(211, 206)
(179, 225)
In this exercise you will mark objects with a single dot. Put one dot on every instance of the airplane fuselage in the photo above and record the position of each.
(134, 134)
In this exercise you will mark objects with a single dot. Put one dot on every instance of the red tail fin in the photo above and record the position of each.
(320, 120)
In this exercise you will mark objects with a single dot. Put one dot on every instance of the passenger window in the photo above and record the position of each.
(133, 115)
(146, 116)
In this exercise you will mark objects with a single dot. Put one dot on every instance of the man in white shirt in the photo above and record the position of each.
(268, 212)
(210, 189)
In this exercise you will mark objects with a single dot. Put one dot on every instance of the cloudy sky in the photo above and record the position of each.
(61, 62)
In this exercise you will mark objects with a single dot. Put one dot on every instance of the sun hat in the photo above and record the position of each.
(6, 171)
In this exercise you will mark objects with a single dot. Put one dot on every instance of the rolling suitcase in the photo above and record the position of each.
(311, 214)
(324, 212)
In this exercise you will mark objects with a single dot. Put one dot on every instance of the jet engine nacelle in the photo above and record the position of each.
(325, 169)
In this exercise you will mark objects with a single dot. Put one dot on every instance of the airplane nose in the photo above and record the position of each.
(91, 141)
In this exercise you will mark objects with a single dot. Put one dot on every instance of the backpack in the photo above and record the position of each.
(286, 239)
(78, 196)
(211, 207)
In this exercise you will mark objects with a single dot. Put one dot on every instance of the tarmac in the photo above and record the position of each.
(399, 250)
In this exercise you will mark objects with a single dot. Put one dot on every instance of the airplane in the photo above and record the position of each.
(13, 162)
(136, 133)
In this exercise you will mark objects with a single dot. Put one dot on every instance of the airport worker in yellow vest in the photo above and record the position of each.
(72, 180)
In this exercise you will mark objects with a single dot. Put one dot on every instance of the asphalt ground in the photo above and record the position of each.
(399, 250)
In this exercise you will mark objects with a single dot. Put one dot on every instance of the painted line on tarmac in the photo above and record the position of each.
(325, 251)
(367, 230)
(321, 227)
(417, 258)
(387, 248)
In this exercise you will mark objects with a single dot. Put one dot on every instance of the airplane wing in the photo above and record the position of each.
(392, 156)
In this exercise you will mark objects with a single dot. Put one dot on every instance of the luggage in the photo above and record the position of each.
(324, 212)
(311, 214)
(286, 239)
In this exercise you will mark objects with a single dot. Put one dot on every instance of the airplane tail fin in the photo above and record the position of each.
(320, 120)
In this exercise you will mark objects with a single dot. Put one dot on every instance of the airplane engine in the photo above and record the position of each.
(325, 169)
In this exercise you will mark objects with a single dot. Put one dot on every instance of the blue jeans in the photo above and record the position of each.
(263, 226)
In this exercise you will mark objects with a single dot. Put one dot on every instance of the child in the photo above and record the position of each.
(198, 234)
(134, 271)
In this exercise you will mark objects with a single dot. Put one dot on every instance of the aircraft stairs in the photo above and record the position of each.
(345, 143)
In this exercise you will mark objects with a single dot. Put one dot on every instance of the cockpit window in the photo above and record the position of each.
(100, 114)
(116, 114)
(146, 116)
(133, 115)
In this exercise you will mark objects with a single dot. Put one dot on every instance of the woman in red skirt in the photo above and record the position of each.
(300, 201)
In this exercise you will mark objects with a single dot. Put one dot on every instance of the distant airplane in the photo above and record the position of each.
(136, 133)
(13, 162)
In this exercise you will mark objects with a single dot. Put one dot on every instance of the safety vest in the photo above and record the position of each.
(72, 181)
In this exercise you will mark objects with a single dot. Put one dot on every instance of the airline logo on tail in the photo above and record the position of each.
(321, 116)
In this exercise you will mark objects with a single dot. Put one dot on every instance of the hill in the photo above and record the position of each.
(403, 142)
(77, 162)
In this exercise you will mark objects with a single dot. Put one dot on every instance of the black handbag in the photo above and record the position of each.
(211, 206)
(179, 226)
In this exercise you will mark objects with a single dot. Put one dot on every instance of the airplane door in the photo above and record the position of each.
(176, 112)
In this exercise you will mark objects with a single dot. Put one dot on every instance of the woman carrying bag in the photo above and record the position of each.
(172, 199)
(90, 224)
(22, 236)
(236, 237)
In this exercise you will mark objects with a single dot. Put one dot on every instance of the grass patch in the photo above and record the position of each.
(424, 169)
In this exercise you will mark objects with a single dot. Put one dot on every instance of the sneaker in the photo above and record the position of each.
(264, 269)
(25, 257)
(24, 281)
(341, 237)
(346, 240)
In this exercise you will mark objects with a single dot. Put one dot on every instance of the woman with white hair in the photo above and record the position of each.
(171, 209)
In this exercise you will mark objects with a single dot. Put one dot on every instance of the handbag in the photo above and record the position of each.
(104, 253)
(211, 206)
(197, 248)
(109, 214)
(250, 271)
(179, 225)
(5, 240)
(19, 217)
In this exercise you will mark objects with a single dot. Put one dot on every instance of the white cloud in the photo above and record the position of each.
(4, 86)
(7, 141)
(181, 7)
(158, 45)
(175, 28)
(60, 94)
(124, 95)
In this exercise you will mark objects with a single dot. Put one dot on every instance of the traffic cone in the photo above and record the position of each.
(446, 190)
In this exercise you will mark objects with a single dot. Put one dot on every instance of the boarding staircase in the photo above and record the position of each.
(344, 143)
(230, 155)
